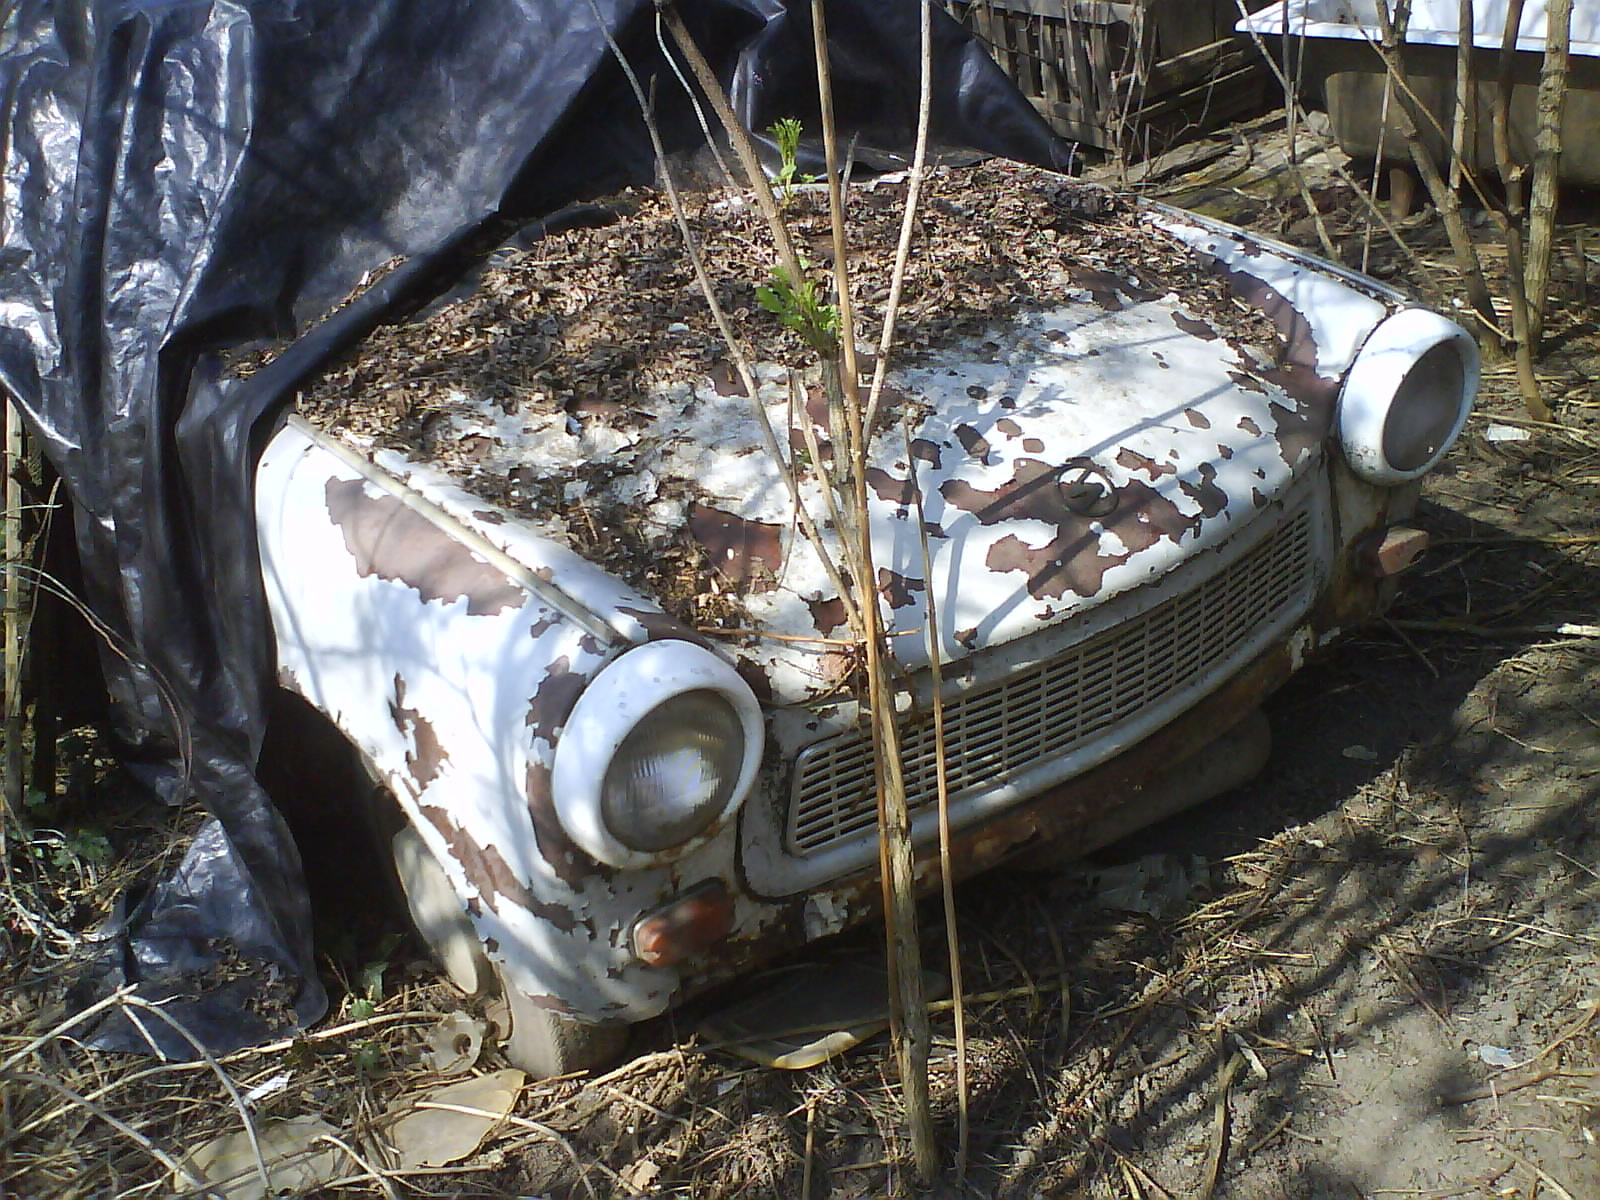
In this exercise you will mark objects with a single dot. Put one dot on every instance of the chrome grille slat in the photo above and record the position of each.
(1056, 708)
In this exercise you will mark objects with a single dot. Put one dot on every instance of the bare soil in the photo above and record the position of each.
(1374, 972)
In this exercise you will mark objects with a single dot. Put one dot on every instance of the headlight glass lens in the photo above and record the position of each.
(1425, 408)
(674, 772)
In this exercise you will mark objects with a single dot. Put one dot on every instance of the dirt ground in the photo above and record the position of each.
(1371, 973)
(1402, 915)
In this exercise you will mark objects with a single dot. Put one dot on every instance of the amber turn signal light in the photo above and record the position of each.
(698, 919)
(1395, 550)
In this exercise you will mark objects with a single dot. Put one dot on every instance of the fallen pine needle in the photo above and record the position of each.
(1219, 1125)
(1509, 1083)
(1554, 629)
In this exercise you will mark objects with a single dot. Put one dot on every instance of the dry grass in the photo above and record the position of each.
(1086, 1024)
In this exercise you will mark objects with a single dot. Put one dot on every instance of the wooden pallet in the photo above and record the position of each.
(1131, 77)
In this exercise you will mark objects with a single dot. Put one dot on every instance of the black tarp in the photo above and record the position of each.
(187, 176)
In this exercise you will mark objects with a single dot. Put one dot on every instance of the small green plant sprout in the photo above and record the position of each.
(87, 846)
(800, 307)
(787, 134)
(81, 851)
(370, 982)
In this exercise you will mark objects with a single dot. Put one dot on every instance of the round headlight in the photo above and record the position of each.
(659, 751)
(674, 772)
(1406, 396)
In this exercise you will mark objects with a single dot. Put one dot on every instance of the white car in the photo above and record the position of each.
(1137, 529)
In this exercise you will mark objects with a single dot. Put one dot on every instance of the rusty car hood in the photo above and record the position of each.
(1060, 461)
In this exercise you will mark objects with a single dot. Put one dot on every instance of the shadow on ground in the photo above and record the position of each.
(1401, 905)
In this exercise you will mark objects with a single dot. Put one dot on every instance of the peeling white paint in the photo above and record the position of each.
(824, 915)
(1341, 307)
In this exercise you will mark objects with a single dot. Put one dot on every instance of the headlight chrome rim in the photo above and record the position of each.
(1383, 375)
(627, 692)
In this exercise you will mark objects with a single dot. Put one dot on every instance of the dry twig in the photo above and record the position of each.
(1412, 115)
(1546, 165)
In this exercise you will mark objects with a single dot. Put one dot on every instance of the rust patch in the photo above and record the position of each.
(1134, 461)
(1248, 424)
(552, 703)
(889, 489)
(1072, 560)
(827, 615)
(1033, 445)
(488, 872)
(1298, 431)
(658, 626)
(1194, 327)
(1197, 418)
(1296, 372)
(426, 755)
(390, 541)
(973, 442)
(816, 407)
(1224, 451)
(747, 553)
(897, 589)
(1299, 344)
(1306, 388)
(927, 450)
(1108, 289)
(814, 410)
(837, 672)
(488, 516)
(1009, 427)
(725, 380)
(890, 398)
(755, 675)
(568, 863)
(1247, 383)
(1211, 499)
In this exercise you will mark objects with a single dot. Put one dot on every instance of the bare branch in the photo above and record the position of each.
(1412, 113)
(1546, 165)
(910, 1030)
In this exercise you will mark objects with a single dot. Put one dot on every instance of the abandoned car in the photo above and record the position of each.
(1132, 467)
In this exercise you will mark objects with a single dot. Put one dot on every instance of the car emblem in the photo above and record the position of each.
(1086, 490)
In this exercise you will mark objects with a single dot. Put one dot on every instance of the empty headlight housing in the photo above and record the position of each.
(659, 751)
(1406, 396)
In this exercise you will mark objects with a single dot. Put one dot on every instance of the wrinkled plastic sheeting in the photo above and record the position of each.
(181, 179)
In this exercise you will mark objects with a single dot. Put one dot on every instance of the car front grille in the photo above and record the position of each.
(1098, 687)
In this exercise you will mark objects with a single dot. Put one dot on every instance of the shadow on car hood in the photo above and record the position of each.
(1073, 455)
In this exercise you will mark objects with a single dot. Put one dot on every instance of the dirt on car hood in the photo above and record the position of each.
(1078, 405)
